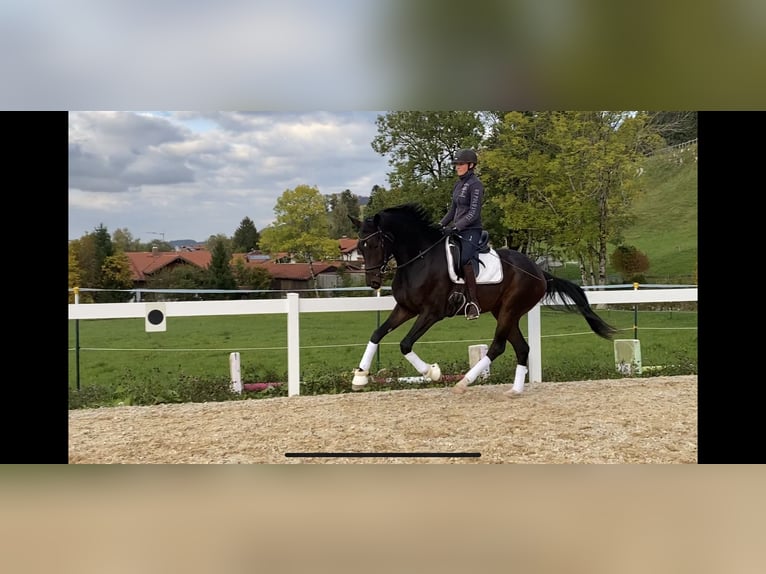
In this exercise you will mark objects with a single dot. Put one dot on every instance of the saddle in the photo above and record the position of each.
(490, 270)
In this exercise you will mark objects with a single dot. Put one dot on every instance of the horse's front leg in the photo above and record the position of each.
(397, 317)
(422, 324)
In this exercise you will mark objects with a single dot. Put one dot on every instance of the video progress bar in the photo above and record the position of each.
(382, 454)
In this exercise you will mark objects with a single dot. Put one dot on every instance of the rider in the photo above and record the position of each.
(464, 218)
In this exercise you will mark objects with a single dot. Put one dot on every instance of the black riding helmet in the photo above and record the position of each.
(466, 156)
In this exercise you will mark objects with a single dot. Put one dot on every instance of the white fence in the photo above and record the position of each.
(293, 305)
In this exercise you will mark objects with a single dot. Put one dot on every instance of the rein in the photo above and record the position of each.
(420, 254)
(388, 256)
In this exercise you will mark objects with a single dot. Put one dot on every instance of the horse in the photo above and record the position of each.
(423, 286)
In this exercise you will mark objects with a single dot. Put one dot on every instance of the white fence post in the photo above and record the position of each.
(535, 361)
(235, 372)
(293, 345)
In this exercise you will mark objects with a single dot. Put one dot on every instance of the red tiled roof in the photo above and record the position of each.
(347, 245)
(145, 263)
(294, 271)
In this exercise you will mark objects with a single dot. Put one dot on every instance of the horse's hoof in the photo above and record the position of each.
(434, 372)
(512, 393)
(460, 387)
(360, 380)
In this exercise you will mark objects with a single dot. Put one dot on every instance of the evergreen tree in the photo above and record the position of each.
(220, 275)
(246, 237)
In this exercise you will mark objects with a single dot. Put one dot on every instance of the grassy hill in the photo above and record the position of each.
(665, 226)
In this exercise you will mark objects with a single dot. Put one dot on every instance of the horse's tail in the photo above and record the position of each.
(574, 299)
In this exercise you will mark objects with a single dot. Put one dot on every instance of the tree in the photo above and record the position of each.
(180, 276)
(246, 237)
(123, 240)
(568, 180)
(219, 238)
(251, 276)
(630, 262)
(116, 276)
(220, 275)
(74, 274)
(91, 251)
(301, 227)
(341, 207)
(675, 127)
(421, 146)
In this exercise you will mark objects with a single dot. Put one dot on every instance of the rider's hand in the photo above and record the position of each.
(449, 230)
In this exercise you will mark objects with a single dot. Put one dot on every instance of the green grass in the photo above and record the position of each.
(666, 217)
(115, 350)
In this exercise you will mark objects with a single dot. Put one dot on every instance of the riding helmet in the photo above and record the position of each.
(467, 156)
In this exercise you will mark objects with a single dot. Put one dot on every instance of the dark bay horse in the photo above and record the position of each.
(422, 287)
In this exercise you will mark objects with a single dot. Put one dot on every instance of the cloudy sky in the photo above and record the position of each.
(190, 175)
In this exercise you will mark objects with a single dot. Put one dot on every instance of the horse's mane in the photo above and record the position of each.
(412, 215)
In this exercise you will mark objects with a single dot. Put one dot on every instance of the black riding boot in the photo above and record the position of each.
(472, 310)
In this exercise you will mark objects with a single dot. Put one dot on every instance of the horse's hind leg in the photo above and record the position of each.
(509, 332)
(496, 349)
(521, 347)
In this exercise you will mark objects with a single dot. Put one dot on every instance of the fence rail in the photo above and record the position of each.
(293, 305)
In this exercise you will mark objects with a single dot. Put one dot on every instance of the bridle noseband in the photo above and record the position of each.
(383, 267)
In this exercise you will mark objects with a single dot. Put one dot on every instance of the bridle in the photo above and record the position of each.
(387, 256)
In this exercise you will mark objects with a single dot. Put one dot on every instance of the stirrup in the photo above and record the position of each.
(471, 316)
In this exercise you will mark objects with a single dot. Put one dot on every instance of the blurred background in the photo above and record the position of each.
(347, 54)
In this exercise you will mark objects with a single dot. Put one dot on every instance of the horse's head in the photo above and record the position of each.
(375, 246)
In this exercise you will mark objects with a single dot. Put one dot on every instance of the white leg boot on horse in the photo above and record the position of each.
(518, 382)
(481, 366)
(362, 372)
(432, 372)
(472, 310)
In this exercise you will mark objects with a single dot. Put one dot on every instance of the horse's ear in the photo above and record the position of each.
(356, 222)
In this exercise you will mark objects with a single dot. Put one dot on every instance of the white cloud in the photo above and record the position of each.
(192, 175)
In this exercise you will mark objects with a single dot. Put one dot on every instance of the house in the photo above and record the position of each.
(348, 250)
(144, 264)
(285, 275)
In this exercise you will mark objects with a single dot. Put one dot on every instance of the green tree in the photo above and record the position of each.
(301, 227)
(74, 273)
(123, 240)
(91, 251)
(180, 276)
(567, 180)
(251, 276)
(342, 205)
(220, 275)
(213, 240)
(116, 276)
(421, 146)
(246, 237)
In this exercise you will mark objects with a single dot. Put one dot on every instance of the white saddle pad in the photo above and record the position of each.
(490, 267)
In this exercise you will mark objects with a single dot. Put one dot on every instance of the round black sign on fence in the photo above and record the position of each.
(155, 317)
